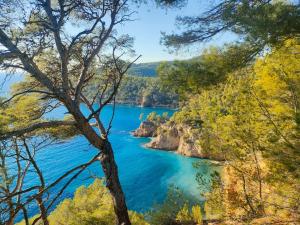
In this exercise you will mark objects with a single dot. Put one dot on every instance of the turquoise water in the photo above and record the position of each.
(145, 174)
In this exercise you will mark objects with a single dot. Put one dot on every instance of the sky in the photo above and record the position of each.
(150, 21)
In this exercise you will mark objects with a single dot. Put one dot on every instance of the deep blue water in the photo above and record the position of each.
(145, 174)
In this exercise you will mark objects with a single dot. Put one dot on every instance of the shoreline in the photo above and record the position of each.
(153, 106)
(212, 161)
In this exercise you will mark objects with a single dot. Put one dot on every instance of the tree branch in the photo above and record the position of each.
(33, 127)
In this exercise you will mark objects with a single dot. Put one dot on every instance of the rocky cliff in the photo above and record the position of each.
(179, 138)
(146, 129)
(166, 139)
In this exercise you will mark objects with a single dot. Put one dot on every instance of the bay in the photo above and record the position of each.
(145, 174)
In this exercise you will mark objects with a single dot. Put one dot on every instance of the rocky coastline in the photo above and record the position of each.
(143, 103)
(173, 137)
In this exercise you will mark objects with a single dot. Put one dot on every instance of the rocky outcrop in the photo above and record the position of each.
(147, 101)
(167, 139)
(181, 139)
(188, 148)
(146, 129)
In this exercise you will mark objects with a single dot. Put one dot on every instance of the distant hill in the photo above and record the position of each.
(143, 69)
(149, 69)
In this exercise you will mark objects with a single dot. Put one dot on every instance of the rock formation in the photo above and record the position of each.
(167, 139)
(146, 129)
(171, 137)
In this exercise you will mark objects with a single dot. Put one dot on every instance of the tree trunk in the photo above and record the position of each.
(12, 213)
(43, 210)
(110, 169)
(107, 161)
(11, 220)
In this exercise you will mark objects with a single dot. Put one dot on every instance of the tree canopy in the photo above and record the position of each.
(258, 22)
(202, 72)
(252, 119)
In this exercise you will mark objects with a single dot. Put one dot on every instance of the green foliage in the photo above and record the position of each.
(165, 116)
(90, 205)
(192, 76)
(153, 116)
(214, 205)
(31, 108)
(143, 69)
(278, 87)
(21, 112)
(188, 217)
(156, 118)
(176, 210)
(251, 120)
(249, 114)
(165, 213)
(183, 216)
(145, 91)
(259, 23)
(197, 214)
(27, 110)
(268, 22)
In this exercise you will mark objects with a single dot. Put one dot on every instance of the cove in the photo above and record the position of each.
(145, 174)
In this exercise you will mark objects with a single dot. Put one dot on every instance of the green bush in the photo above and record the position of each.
(91, 205)
(175, 210)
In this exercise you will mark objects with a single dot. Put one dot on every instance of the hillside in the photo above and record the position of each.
(142, 91)
(144, 69)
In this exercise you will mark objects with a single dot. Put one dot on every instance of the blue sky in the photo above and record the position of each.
(151, 20)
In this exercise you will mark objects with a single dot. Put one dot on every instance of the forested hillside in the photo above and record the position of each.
(142, 91)
(145, 91)
(141, 87)
(144, 69)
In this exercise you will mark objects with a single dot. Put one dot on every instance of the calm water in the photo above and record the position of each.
(145, 174)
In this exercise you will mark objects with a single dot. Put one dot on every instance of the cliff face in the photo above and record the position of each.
(167, 139)
(178, 138)
(189, 148)
(146, 129)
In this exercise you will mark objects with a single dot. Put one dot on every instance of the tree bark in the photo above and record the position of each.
(43, 210)
(110, 169)
(12, 214)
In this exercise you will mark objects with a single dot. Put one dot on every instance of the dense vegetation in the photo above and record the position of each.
(143, 69)
(209, 69)
(143, 91)
(251, 117)
(90, 205)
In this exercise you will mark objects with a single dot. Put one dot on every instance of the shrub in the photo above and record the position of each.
(91, 205)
